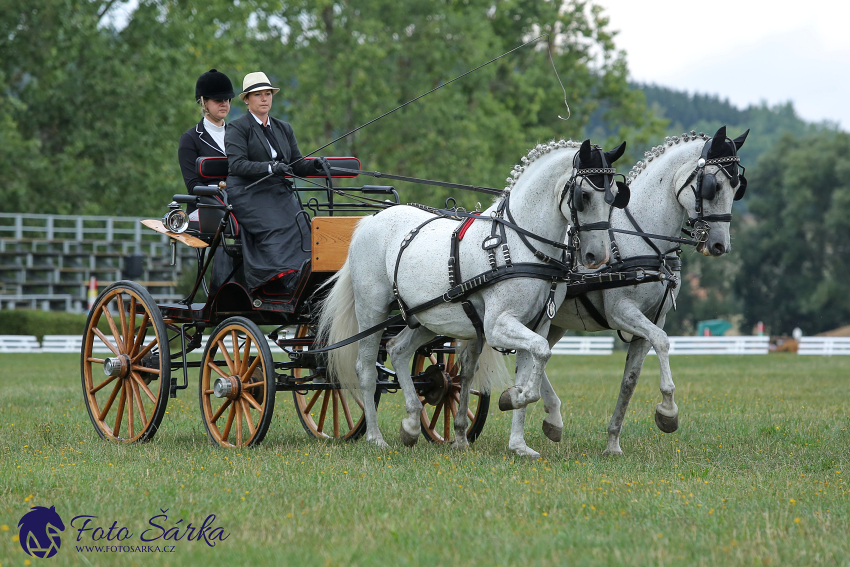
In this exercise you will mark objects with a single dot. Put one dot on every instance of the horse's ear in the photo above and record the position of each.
(616, 153)
(717, 142)
(584, 152)
(739, 141)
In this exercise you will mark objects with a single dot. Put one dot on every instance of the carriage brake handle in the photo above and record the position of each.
(181, 198)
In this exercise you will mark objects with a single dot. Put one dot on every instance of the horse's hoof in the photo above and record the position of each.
(612, 453)
(666, 424)
(406, 438)
(507, 401)
(553, 432)
(526, 451)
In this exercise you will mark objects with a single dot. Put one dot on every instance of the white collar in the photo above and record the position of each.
(210, 126)
(260, 122)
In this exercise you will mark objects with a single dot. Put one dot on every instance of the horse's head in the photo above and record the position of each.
(715, 182)
(588, 197)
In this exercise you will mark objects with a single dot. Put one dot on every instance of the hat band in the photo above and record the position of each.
(255, 85)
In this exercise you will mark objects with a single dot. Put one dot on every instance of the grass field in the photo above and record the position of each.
(756, 475)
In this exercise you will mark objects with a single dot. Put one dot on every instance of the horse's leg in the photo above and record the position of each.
(634, 363)
(628, 317)
(467, 357)
(401, 349)
(367, 374)
(553, 424)
(508, 332)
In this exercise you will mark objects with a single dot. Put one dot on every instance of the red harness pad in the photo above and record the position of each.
(465, 226)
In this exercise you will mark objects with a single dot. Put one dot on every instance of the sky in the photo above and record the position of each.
(745, 50)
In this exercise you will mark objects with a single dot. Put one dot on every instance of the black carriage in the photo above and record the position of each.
(148, 358)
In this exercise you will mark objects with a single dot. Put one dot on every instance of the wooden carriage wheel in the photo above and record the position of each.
(439, 406)
(127, 402)
(332, 413)
(237, 389)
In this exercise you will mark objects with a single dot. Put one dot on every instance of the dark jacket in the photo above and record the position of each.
(194, 143)
(273, 235)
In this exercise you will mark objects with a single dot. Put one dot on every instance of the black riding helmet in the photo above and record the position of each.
(214, 84)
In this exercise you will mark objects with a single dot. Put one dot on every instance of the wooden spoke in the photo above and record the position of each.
(250, 371)
(97, 360)
(102, 384)
(145, 369)
(254, 385)
(470, 415)
(220, 411)
(238, 405)
(229, 423)
(237, 363)
(324, 412)
(118, 417)
(435, 416)
(131, 325)
(143, 386)
(105, 310)
(123, 318)
(453, 408)
(209, 392)
(128, 395)
(446, 424)
(102, 337)
(253, 401)
(346, 410)
(248, 419)
(245, 356)
(474, 392)
(111, 399)
(223, 350)
(335, 412)
(146, 350)
(143, 327)
(215, 367)
(138, 397)
(312, 401)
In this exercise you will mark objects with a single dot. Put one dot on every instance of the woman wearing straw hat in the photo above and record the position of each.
(258, 145)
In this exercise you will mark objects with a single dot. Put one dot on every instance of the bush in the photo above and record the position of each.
(40, 323)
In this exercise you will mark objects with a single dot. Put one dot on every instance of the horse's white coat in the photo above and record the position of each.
(362, 291)
(658, 211)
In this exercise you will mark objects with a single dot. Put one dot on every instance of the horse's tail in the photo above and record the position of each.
(491, 370)
(337, 322)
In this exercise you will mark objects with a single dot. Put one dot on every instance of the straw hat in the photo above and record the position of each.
(256, 82)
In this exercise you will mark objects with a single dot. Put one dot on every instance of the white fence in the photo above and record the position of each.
(718, 345)
(68, 344)
(824, 346)
(584, 345)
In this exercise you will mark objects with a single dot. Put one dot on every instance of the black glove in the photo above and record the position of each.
(281, 169)
(318, 164)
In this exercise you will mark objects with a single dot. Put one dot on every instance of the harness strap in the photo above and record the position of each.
(593, 311)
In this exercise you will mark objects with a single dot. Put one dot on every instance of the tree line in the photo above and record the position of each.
(91, 113)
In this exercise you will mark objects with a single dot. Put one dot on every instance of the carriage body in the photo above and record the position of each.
(153, 348)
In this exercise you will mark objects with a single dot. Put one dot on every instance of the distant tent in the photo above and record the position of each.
(839, 332)
(713, 327)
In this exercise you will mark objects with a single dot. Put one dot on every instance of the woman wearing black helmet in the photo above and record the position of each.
(213, 92)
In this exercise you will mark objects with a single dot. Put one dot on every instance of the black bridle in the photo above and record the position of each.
(706, 188)
(574, 194)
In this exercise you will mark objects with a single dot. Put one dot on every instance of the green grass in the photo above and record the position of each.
(756, 474)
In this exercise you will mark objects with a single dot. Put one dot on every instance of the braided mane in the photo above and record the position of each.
(657, 151)
(533, 154)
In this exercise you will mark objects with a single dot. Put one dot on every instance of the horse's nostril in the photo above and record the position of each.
(589, 258)
(718, 248)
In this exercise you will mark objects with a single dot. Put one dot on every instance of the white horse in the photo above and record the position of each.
(399, 247)
(666, 189)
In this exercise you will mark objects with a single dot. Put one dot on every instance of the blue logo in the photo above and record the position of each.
(39, 532)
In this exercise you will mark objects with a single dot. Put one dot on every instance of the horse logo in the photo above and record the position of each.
(39, 532)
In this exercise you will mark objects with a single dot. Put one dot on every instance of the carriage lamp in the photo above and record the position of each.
(175, 220)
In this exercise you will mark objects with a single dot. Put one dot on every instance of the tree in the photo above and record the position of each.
(794, 269)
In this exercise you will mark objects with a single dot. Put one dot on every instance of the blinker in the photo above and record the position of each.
(622, 198)
(708, 187)
(578, 197)
(742, 188)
